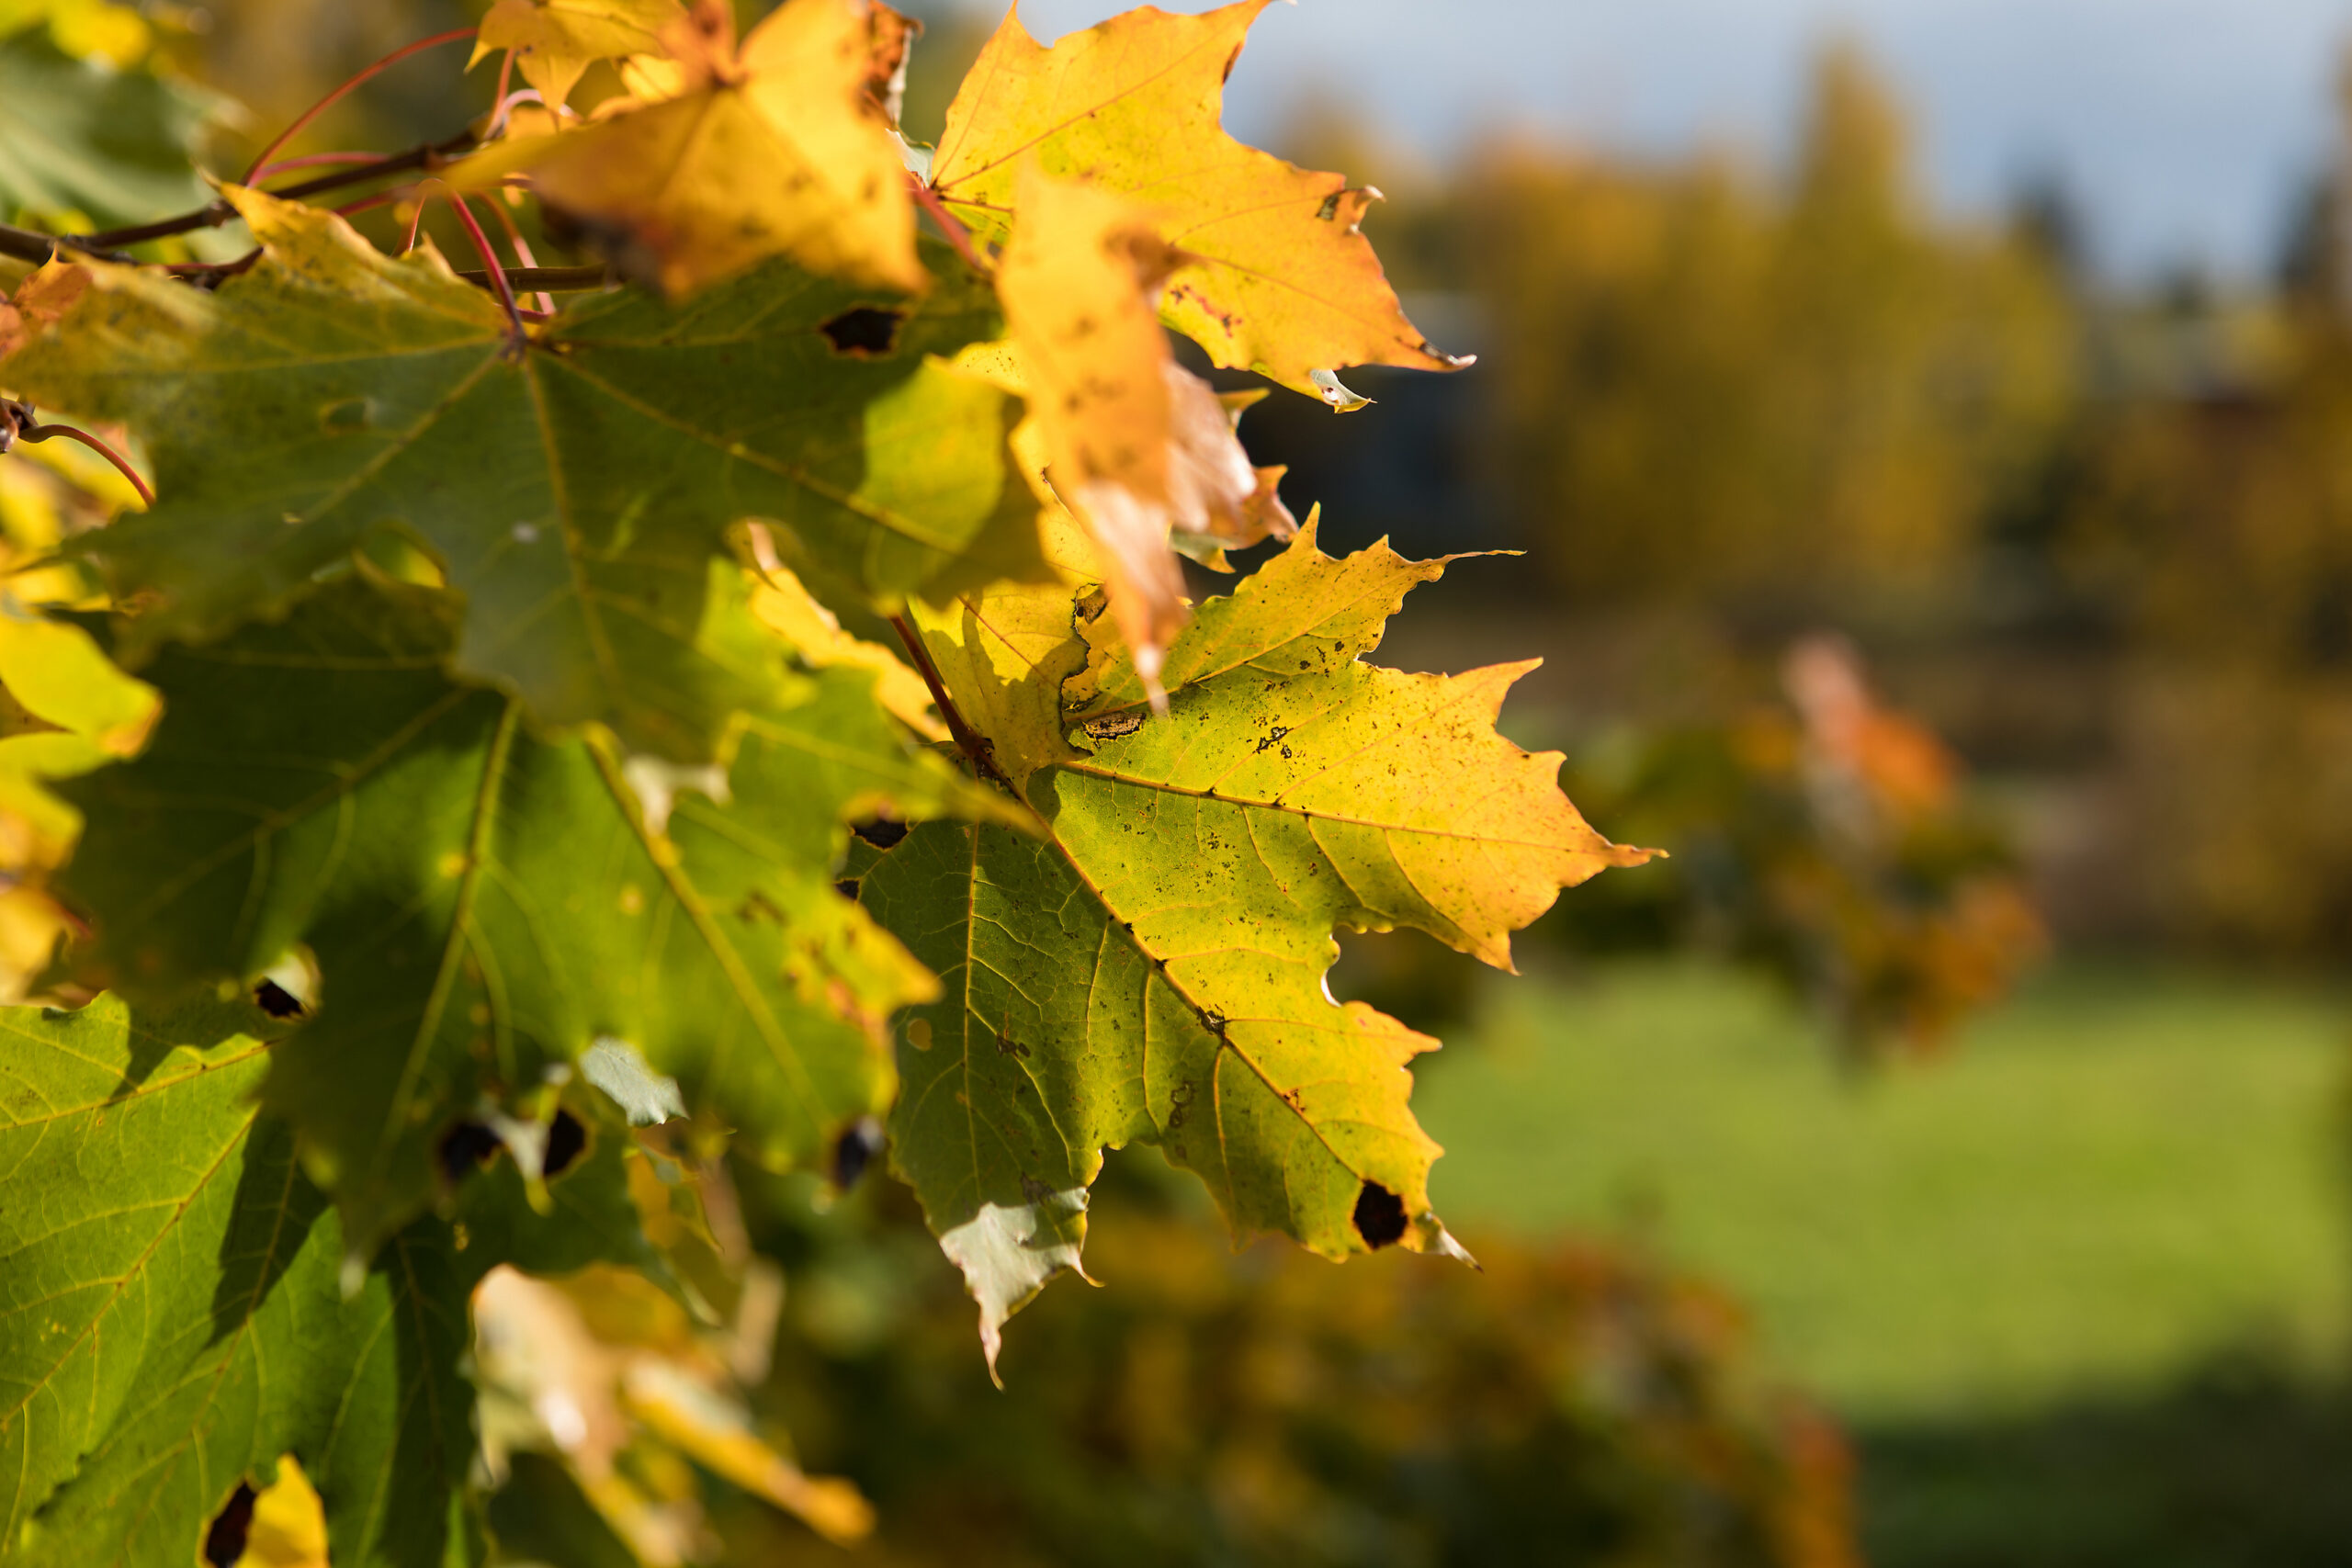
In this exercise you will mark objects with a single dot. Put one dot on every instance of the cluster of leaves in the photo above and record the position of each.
(1829, 843)
(487, 876)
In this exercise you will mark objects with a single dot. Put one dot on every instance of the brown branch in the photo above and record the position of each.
(31, 245)
(546, 279)
(970, 741)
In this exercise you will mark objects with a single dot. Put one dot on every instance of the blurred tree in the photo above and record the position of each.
(1721, 395)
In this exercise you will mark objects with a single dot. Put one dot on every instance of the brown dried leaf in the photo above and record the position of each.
(1137, 445)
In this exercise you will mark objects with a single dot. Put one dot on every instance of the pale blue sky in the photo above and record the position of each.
(2183, 125)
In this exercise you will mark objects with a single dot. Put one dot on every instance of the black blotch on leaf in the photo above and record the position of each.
(278, 1001)
(224, 1539)
(1380, 1216)
(465, 1148)
(854, 1150)
(864, 331)
(567, 1139)
(882, 832)
(847, 888)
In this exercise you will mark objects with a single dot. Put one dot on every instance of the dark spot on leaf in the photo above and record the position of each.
(1330, 208)
(1380, 1216)
(854, 1150)
(847, 888)
(567, 1140)
(224, 1541)
(758, 906)
(864, 331)
(882, 832)
(278, 1001)
(465, 1148)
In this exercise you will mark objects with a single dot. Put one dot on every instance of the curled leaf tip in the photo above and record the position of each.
(1329, 388)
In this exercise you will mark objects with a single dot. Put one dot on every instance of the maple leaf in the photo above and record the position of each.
(555, 40)
(1147, 966)
(484, 906)
(775, 152)
(1139, 445)
(39, 301)
(83, 137)
(1278, 278)
(173, 1317)
(577, 496)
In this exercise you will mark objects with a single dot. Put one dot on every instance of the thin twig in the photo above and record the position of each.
(505, 290)
(546, 279)
(425, 155)
(950, 225)
(518, 247)
(18, 422)
(317, 160)
(307, 116)
(970, 741)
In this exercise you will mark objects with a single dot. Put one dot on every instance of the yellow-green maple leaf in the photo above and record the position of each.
(1147, 966)
(1279, 280)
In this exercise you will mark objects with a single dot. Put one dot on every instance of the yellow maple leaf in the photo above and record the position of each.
(1138, 444)
(555, 40)
(772, 150)
(1277, 279)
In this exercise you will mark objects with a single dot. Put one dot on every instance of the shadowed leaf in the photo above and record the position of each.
(170, 1314)
(483, 905)
(578, 496)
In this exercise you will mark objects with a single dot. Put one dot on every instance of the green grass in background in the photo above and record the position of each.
(2108, 1182)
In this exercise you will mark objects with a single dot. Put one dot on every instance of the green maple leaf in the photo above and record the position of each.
(1148, 964)
(577, 494)
(171, 1320)
(78, 136)
(483, 905)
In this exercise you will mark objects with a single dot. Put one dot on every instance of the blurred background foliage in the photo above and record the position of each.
(1947, 607)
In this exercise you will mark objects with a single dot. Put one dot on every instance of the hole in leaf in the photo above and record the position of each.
(278, 1001)
(855, 1151)
(883, 832)
(847, 888)
(567, 1139)
(224, 1539)
(1380, 1216)
(465, 1148)
(347, 417)
(864, 331)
